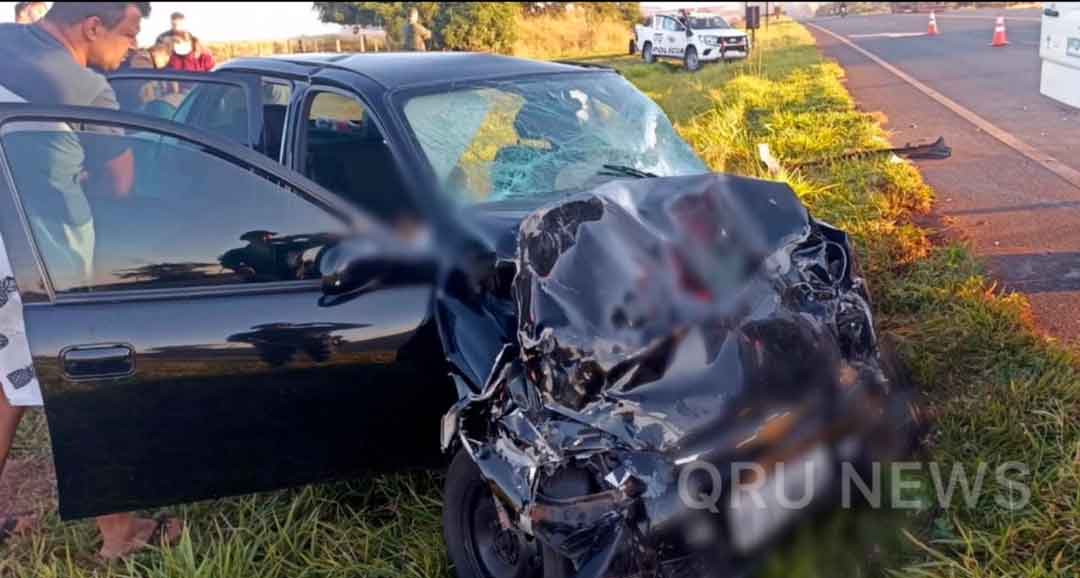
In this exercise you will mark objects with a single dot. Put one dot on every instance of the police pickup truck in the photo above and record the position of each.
(694, 39)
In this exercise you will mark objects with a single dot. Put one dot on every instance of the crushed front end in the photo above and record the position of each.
(665, 328)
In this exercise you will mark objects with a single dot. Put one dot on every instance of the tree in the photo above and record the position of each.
(477, 26)
(629, 12)
(483, 26)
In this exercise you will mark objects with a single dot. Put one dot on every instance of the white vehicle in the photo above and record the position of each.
(696, 39)
(1060, 52)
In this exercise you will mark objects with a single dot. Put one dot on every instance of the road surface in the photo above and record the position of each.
(1012, 186)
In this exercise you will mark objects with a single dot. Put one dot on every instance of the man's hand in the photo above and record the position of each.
(117, 177)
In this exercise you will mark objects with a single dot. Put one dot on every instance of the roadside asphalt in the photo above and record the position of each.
(1020, 217)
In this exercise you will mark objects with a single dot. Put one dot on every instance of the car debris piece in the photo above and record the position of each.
(936, 150)
(663, 324)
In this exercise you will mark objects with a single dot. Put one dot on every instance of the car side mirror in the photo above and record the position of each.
(689, 33)
(368, 262)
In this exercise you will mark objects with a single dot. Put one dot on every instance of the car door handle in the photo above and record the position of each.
(98, 361)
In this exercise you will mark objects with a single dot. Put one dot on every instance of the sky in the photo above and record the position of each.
(225, 21)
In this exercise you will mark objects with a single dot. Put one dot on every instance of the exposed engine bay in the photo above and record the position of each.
(664, 325)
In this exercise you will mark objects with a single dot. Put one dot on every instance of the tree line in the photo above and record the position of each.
(467, 26)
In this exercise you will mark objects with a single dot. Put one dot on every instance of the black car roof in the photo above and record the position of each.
(397, 69)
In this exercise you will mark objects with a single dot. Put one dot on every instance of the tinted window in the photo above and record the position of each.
(346, 153)
(221, 108)
(212, 106)
(189, 218)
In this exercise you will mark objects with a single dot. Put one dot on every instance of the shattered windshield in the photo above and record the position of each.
(522, 139)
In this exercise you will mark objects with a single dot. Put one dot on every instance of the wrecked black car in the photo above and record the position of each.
(335, 264)
(659, 325)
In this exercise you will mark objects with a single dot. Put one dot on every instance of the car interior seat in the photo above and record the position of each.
(357, 164)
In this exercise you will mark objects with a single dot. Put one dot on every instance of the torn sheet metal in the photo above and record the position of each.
(663, 322)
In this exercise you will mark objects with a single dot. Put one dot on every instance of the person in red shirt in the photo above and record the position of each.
(189, 54)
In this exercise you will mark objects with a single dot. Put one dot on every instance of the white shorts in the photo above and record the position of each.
(17, 374)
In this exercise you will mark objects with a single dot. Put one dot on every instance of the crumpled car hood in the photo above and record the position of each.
(659, 321)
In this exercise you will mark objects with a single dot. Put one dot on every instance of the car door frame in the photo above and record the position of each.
(409, 168)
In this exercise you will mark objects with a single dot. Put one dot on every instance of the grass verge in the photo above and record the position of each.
(996, 393)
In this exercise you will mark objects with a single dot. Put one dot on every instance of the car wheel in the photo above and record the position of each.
(633, 47)
(690, 59)
(646, 53)
(478, 545)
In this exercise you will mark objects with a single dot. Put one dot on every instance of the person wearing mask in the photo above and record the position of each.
(55, 62)
(155, 58)
(189, 54)
(158, 98)
(29, 12)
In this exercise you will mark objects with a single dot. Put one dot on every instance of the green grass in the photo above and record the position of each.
(994, 391)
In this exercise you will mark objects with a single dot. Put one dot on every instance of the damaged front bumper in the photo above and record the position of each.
(668, 329)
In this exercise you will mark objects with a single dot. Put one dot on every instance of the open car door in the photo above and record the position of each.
(177, 327)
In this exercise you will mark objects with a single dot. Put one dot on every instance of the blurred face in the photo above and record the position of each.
(33, 13)
(107, 48)
(178, 25)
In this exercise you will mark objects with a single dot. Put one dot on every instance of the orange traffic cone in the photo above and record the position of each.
(999, 33)
(932, 28)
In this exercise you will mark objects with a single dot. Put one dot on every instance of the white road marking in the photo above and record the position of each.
(991, 17)
(1067, 173)
(888, 35)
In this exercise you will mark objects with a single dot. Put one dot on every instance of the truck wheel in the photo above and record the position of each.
(646, 53)
(633, 47)
(475, 540)
(690, 59)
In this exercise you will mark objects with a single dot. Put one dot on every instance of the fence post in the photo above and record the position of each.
(337, 44)
(363, 43)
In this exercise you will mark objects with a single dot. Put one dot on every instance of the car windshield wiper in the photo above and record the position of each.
(626, 171)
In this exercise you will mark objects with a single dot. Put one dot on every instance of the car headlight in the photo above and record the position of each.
(711, 40)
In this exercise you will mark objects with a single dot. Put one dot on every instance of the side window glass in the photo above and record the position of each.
(217, 107)
(165, 213)
(345, 153)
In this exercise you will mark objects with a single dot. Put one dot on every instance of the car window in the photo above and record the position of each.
(708, 22)
(191, 218)
(510, 139)
(345, 152)
(219, 107)
(672, 25)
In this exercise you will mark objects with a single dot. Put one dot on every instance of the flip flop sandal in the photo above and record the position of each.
(159, 536)
(7, 528)
(10, 524)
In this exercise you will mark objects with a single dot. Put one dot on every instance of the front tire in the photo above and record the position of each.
(476, 542)
(647, 54)
(690, 59)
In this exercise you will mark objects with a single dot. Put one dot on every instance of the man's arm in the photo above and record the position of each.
(112, 171)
